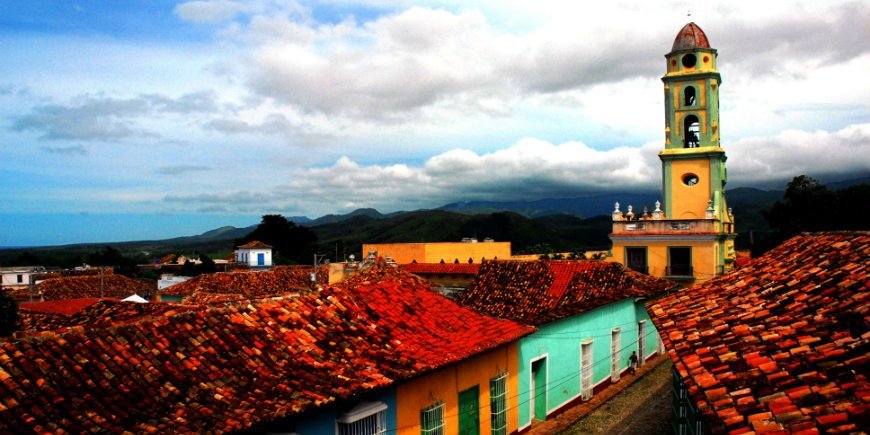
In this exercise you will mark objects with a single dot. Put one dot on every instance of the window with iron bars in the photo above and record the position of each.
(432, 419)
(367, 418)
(498, 404)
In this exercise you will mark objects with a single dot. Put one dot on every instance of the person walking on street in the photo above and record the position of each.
(632, 362)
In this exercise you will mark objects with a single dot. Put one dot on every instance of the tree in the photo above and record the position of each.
(808, 205)
(292, 244)
(8, 314)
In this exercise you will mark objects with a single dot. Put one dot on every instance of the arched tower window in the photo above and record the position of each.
(691, 131)
(689, 96)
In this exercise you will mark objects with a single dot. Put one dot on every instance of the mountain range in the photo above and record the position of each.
(561, 224)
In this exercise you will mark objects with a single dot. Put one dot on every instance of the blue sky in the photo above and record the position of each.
(203, 112)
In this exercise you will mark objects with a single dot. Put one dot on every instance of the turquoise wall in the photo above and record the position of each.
(559, 343)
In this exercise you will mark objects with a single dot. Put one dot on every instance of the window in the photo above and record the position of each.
(689, 96)
(641, 342)
(432, 419)
(586, 369)
(367, 418)
(690, 179)
(615, 352)
(498, 404)
(691, 131)
(635, 259)
(679, 261)
(689, 60)
(20, 279)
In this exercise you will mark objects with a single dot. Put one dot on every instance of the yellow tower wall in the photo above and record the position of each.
(692, 203)
(446, 383)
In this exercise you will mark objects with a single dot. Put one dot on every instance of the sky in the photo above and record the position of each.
(150, 118)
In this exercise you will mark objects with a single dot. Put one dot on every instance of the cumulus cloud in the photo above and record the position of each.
(97, 117)
(822, 154)
(535, 169)
(400, 63)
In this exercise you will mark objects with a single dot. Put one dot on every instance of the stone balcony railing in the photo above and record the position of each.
(672, 226)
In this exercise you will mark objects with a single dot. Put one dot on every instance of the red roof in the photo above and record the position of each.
(690, 36)
(255, 244)
(45, 316)
(781, 344)
(66, 307)
(228, 368)
(442, 268)
(538, 292)
(77, 287)
(436, 329)
(278, 281)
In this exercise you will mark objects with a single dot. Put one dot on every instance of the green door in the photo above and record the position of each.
(469, 411)
(539, 389)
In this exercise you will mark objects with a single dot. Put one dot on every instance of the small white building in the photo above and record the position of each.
(19, 276)
(254, 254)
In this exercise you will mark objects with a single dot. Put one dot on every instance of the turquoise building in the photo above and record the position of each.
(590, 317)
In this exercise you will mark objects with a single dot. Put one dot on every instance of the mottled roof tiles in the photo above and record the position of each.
(227, 368)
(538, 292)
(442, 268)
(94, 286)
(781, 344)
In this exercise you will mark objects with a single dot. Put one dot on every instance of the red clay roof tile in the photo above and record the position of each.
(278, 281)
(539, 292)
(226, 368)
(442, 268)
(798, 339)
(94, 286)
(255, 244)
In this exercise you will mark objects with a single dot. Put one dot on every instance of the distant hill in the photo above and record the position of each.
(583, 206)
(563, 223)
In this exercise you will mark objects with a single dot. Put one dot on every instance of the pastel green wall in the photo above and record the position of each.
(560, 343)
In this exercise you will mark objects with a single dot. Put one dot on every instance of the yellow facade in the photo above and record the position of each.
(692, 199)
(404, 253)
(445, 384)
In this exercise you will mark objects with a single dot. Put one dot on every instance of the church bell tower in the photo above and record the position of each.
(690, 234)
(693, 163)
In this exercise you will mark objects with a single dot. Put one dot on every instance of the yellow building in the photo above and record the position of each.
(470, 396)
(690, 235)
(448, 252)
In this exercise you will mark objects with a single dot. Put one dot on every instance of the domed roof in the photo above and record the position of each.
(690, 36)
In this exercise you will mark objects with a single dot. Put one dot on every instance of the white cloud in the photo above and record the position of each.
(535, 169)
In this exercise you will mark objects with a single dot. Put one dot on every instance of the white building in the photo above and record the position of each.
(19, 276)
(254, 254)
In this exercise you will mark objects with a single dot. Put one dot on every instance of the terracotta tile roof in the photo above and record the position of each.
(255, 244)
(89, 312)
(278, 281)
(538, 292)
(436, 329)
(77, 287)
(63, 273)
(212, 298)
(442, 268)
(228, 368)
(781, 344)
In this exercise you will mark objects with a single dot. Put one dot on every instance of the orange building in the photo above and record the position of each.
(448, 252)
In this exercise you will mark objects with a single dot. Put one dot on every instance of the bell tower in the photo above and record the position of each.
(693, 163)
(690, 234)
